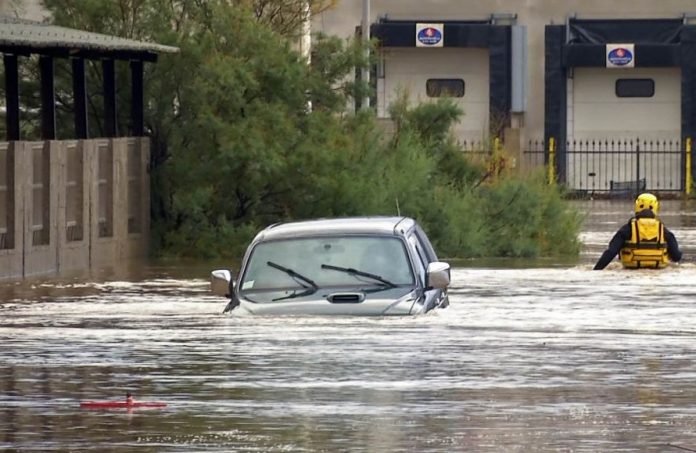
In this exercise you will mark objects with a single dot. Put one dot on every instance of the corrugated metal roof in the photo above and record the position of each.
(16, 32)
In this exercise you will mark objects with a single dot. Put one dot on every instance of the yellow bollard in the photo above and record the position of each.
(552, 160)
(494, 159)
(689, 179)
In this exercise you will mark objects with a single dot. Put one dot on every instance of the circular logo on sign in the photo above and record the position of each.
(429, 36)
(620, 56)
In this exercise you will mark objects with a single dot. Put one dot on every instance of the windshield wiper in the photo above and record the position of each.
(294, 294)
(299, 278)
(351, 271)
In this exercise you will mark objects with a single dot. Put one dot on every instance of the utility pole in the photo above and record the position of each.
(365, 28)
(306, 40)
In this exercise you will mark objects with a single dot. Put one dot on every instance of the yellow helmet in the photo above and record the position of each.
(647, 201)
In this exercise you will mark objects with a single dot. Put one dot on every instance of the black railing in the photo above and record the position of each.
(478, 149)
(535, 154)
(617, 167)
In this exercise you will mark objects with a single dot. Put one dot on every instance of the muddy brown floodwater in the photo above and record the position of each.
(531, 356)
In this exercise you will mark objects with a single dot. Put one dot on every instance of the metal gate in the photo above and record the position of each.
(616, 167)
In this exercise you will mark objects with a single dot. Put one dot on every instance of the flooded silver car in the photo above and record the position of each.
(377, 266)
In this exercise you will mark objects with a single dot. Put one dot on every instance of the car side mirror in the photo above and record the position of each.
(221, 283)
(438, 275)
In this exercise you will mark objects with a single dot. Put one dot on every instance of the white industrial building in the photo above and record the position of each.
(613, 83)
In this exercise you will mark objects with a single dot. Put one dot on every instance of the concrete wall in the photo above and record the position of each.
(535, 14)
(72, 205)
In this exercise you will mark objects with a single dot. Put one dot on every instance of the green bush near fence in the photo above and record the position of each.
(245, 133)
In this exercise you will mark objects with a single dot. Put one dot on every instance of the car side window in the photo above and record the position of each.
(426, 245)
(422, 260)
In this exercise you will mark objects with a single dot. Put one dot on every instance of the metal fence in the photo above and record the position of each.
(534, 154)
(479, 149)
(614, 166)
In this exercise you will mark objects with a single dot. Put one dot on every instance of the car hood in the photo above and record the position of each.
(332, 301)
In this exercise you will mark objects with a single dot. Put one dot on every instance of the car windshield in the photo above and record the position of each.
(327, 261)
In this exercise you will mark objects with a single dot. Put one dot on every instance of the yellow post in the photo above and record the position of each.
(552, 160)
(496, 146)
(689, 181)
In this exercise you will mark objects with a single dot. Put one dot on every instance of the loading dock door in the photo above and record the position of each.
(624, 125)
(410, 69)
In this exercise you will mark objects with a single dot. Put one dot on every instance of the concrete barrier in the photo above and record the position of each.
(72, 205)
(11, 211)
(40, 160)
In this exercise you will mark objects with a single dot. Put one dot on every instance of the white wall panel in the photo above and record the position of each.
(409, 69)
(599, 114)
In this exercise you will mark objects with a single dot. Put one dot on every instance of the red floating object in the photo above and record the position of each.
(129, 403)
(119, 404)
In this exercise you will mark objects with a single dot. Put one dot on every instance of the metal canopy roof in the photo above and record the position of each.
(26, 37)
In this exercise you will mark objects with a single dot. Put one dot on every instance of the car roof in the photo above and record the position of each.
(395, 225)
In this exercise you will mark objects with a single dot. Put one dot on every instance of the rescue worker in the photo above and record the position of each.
(644, 242)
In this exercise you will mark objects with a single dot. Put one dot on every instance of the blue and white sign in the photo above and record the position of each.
(430, 35)
(621, 56)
